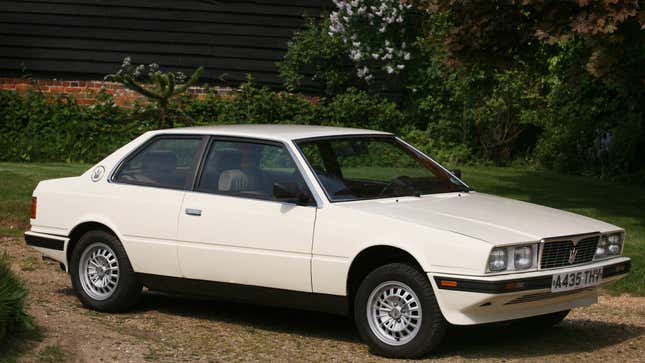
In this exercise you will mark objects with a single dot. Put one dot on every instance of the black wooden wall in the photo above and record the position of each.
(87, 39)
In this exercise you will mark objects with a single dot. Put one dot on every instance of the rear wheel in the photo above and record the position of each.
(396, 312)
(101, 273)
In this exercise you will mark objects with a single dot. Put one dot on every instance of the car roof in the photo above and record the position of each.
(271, 132)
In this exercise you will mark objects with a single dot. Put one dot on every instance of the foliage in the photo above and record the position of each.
(37, 128)
(253, 104)
(12, 299)
(157, 86)
(359, 109)
(504, 80)
(42, 129)
(379, 35)
(500, 32)
(316, 55)
(588, 127)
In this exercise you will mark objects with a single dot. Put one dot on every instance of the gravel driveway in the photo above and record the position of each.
(171, 329)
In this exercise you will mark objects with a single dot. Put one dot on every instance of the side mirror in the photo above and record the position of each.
(290, 192)
(457, 173)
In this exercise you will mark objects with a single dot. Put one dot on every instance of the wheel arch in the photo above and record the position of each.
(80, 229)
(371, 258)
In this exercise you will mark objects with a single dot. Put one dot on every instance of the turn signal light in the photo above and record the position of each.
(448, 283)
(34, 206)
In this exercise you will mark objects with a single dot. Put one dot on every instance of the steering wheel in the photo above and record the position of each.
(403, 180)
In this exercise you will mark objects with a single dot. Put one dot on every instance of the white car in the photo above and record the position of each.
(348, 221)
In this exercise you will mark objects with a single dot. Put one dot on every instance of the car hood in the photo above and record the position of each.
(485, 217)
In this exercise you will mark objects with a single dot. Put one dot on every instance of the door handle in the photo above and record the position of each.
(193, 212)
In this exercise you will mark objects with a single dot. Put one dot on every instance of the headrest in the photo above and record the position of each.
(226, 159)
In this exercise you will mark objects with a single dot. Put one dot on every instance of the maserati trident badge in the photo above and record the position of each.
(572, 255)
(97, 173)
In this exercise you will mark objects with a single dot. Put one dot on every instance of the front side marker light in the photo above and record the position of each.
(448, 283)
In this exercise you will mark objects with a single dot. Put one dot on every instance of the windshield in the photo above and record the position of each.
(354, 168)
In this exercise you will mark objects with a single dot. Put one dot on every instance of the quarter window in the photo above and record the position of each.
(164, 163)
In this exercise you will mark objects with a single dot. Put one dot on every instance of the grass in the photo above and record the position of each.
(17, 181)
(618, 204)
(15, 326)
(51, 354)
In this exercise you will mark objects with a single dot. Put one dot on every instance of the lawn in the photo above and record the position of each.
(619, 204)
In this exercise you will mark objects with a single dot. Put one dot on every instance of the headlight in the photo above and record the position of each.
(523, 257)
(497, 260)
(512, 258)
(609, 245)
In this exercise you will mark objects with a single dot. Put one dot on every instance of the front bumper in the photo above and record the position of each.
(467, 300)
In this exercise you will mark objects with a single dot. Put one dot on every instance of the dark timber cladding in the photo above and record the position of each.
(87, 39)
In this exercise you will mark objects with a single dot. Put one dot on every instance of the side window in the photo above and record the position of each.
(247, 169)
(164, 163)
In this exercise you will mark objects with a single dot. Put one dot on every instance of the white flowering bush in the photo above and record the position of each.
(377, 33)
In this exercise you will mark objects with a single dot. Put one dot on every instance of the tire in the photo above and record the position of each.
(102, 275)
(544, 321)
(415, 302)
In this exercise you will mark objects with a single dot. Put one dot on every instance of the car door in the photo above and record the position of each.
(231, 227)
(145, 195)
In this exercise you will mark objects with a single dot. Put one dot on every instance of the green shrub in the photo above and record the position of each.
(252, 104)
(12, 299)
(359, 109)
(35, 128)
(316, 55)
(450, 153)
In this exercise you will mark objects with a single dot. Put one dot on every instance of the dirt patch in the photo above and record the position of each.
(176, 329)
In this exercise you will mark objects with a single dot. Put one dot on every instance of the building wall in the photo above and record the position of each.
(80, 40)
(85, 91)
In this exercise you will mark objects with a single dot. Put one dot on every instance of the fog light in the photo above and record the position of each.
(523, 257)
(497, 260)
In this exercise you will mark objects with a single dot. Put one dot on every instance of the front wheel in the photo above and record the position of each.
(101, 273)
(396, 312)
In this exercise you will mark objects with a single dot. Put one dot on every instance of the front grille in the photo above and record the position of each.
(558, 253)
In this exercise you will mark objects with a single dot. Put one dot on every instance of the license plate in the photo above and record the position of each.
(576, 280)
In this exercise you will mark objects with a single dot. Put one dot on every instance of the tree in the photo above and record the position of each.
(499, 32)
(157, 86)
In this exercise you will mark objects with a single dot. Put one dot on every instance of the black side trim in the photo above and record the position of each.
(617, 269)
(513, 285)
(495, 287)
(44, 242)
(248, 294)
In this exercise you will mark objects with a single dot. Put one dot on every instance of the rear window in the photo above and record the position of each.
(164, 163)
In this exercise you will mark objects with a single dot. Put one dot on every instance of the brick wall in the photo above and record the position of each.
(85, 91)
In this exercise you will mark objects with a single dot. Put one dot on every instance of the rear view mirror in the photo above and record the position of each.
(457, 173)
